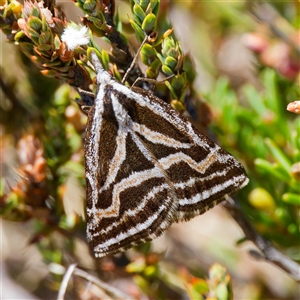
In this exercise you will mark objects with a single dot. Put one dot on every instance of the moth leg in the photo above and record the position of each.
(86, 100)
(85, 109)
(87, 93)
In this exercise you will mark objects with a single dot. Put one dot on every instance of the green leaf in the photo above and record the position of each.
(89, 5)
(19, 35)
(27, 48)
(155, 64)
(33, 33)
(241, 241)
(98, 22)
(291, 198)
(45, 27)
(90, 50)
(45, 38)
(154, 6)
(144, 3)
(255, 100)
(167, 70)
(35, 12)
(140, 34)
(271, 169)
(149, 23)
(179, 81)
(176, 104)
(56, 42)
(148, 50)
(35, 23)
(161, 58)
(273, 100)
(278, 155)
(142, 283)
(171, 62)
(2, 186)
(44, 47)
(105, 59)
(222, 292)
(52, 64)
(50, 73)
(138, 11)
(173, 92)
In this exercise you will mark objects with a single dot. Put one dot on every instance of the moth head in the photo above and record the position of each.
(103, 77)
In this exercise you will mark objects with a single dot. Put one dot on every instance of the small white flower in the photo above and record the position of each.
(74, 37)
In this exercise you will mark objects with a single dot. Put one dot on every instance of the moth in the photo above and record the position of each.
(147, 167)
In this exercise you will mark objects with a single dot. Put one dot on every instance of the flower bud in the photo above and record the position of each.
(262, 199)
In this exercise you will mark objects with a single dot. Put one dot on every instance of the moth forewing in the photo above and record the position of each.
(202, 173)
(147, 167)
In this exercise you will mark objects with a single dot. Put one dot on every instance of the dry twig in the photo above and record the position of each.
(269, 253)
(90, 278)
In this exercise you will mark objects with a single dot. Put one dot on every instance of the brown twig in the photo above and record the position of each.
(120, 49)
(268, 252)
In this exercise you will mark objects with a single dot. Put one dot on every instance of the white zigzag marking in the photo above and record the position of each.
(153, 192)
(201, 167)
(208, 193)
(120, 155)
(174, 119)
(134, 212)
(132, 231)
(94, 147)
(121, 114)
(193, 180)
(182, 214)
(134, 179)
(159, 138)
(125, 123)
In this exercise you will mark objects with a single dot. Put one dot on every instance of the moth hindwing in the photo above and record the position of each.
(147, 167)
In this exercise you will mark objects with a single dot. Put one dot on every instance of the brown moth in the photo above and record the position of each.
(147, 167)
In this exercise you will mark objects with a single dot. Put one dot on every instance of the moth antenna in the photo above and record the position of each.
(134, 60)
(152, 80)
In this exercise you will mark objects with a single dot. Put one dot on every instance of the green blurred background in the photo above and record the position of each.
(246, 55)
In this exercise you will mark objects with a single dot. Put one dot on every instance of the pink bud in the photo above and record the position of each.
(294, 107)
